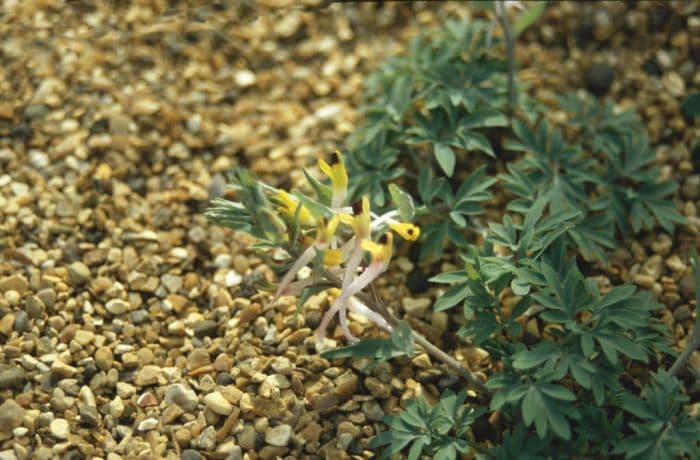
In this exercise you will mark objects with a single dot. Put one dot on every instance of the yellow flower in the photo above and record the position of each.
(332, 257)
(335, 170)
(407, 231)
(289, 206)
(382, 250)
(361, 220)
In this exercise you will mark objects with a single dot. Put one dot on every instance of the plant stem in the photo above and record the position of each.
(510, 49)
(682, 359)
(431, 349)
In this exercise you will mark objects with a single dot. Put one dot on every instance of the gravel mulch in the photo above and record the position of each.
(130, 327)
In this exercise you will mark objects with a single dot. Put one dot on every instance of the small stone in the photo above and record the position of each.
(11, 415)
(104, 358)
(377, 388)
(191, 454)
(89, 416)
(218, 404)
(373, 410)
(244, 78)
(84, 337)
(644, 281)
(422, 361)
(21, 321)
(34, 307)
(125, 390)
(416, 307)
(694, 361)
(147, 424)
(682, 313)
(278, 436)
(78, 273)
(148, 375)
(205, 328)
(691, 187)
(207, 439)
(14, 283)
(11, 378)
(240, 263)
(198, 357)
(61, 370)
(48, 296)
(59, 428)
(674, 83)
(117, 307)
(598, 78)
(172, 283)
(182, 396)
(246, 437)
(675, 264)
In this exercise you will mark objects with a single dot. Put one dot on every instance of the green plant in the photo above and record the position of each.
(439, 430)
(576, 365)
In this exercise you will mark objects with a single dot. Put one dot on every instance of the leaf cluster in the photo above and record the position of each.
(440, 430)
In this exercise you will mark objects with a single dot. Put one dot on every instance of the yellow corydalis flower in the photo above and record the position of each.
(332, 257)
(407, 231)
(381, 250)
(335, 170)
(289, 206)
(361, 220)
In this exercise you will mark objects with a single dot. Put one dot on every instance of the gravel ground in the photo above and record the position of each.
(130, 327)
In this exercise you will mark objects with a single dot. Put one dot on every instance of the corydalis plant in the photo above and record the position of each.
(324, 232)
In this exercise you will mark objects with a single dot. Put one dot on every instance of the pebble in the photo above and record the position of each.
(278, 436)
(416, 307)
(373, 410)
(218, 404)
(104, 358)
(598, 78)
(691, 187)
(11, 415)
(78, 273)
(34, 307)
(148, 375)
(147, 424)
(182, 396)
(191, 454)
(14, 283)
(247, 436)
(11, 378)
(22, 323)
(59, 428)
(89, 416)
(117, 307)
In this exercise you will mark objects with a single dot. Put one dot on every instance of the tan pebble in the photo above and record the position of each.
(422, 361)
(675, 264)
(644, 281)
(14, 283)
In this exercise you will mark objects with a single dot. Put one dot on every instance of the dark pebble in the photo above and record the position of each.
(206, 328)
(599, 78)
(100, 126)
(89, 416)
(191, 454)
(652, 67)
(22, 321)
(11, 378)
(22, 131)
(224, 378)
(417, 282)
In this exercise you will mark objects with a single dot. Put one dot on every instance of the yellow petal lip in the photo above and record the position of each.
(335, 170)
(382, 250)
(332, 257)
(406, 230)
(289, 208)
